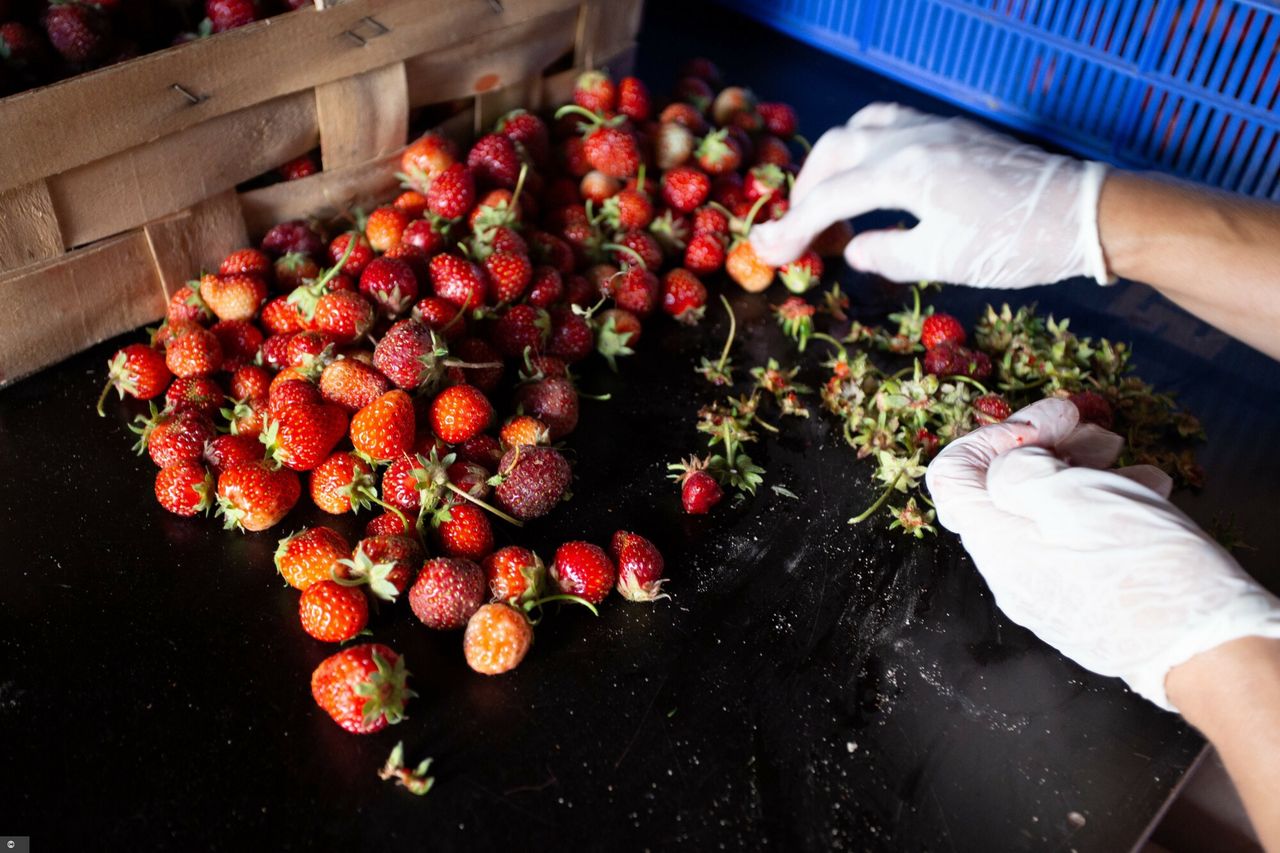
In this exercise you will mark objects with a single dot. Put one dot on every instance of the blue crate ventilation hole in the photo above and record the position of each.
(1188, 87)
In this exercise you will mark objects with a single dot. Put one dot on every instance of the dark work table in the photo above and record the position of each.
(810, 686)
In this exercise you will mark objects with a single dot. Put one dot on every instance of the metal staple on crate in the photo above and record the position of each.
(192, 99)
(496, 6)
(378, 29)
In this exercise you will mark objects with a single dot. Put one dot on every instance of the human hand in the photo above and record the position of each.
(1098, 564)
(992, 211)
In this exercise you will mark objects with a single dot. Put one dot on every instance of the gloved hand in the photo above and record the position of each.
(992, 211)
(1096, 563)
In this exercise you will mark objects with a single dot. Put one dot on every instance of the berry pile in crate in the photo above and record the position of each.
(43, 42)
(417, 369)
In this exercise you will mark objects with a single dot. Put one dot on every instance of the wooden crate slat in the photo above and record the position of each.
(605, 29)
(195, 240)
(134, 102)
(28, 226)
(124, 191)
(503, 58)
(363, 116)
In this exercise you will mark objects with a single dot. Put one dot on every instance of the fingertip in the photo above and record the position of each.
(1149, 476)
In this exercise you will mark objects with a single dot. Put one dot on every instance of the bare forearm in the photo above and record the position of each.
(1215, 254)
(1232, 694)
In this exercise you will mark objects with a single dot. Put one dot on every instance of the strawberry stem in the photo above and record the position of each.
(573, 109)
(618, 247)
(483, 505)
(971, 381)
(823, 336)
(102, 401)
(884, 496)
(563, 597)
(728, 342)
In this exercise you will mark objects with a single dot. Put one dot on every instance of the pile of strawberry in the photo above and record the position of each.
(43, 41)
(418, 364)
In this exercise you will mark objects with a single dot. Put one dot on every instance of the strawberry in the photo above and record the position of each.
(363, 688)
(246, 262)
(938, 329)
(291, 270)
(673, 145)
(406, 481)
(700, 493)
(483, 449)
(633, 99)
(302, 435)
(240, 341)
(635, 289)
(275, 350)
(299, 168)
(950, 360)
(287, 392)
(1094, 408)
(639, 567)
(521, 327)
(233, 297)
(684, 115)
(342, 483)
(185, 488)
(425, 159)
(552, 401)
(409, 355)
(626, 210)
(571, 335)
(442, 317)
(497, 638)
(390, 284)
(281, 317)
(546, 287)
(746, 268)
(229, 14)
(352, 384)
(730, 101)
(137, 370)
(331, 612)
(991, 409)
(584, 570)
(763, 182)
(612, 151)
(359, 256)
(705, 254)
(684, 188)
(250, 380)
(523, 430)
(593, 90)
(247, 416)
(255, 497)
(389, 524)
(493, 161)
(345, 317)
(703, 69)
(446, 593)
(772, 151)
(803, 274)
(463, 530)
(387, 564)
(293, 236)
(79, 32)
(458, 280)
(619, 331)
(452, 193)
(509, 276)
(310, 556)
(471, 478)
(683, 296)
(546, 248)
(384, 428)
(186, 304)
(228, 451)
(192, 350)
(532, 481)
(528, 132)
(460, 412)
(514, 574)
(384, 227)
(309, 352)
(718, 153)
(598, 187)
(779, 119)
(411, 203)
(642, 244)
(172, 437)
(429, 235)
(544, 367)
(578, 291)
(487, 370)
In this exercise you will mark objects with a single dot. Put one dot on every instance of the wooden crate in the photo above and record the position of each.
(98, 229)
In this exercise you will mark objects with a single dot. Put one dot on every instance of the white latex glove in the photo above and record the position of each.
(992, 211)
(1098, 564)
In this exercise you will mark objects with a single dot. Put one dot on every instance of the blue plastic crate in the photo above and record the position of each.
(1188, 87)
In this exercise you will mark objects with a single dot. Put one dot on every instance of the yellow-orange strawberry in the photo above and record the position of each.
(745, 267)
(233, 297)
(384, 429)
(384, 227)
(311, 555)
(524, 430)
(497, 638)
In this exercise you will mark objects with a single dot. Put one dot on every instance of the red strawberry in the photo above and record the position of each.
(407, 479)
(805, 273)
(571, 335)
(302, 435)
(311, 556)
(683, 296)
(409, 355)
(460, 412)
(763, 182)
(584, 570)
(950, 360)
(529, 132)
(509, 276)
(523, 430)
(342, 483)
(80, 33)
(389, 524)
(240, 341)
(597, 187)
(255, 497)
(137, 370)
(359, 257)
(612, 151)
(281, 317)
(299, 168)
(387, 564)
(363, 688)
(644, 245)
(476, 352)
(288, 392)
(684, 189)
(471, 478)
(411, 203)
(453, 193)
(293, 236)
(547, 287)
(521, 327)
(779, 119)
(533, 481)
(390, 284)
(497, 638)
(938, 329)
(705, 254)
(186, 304)
(345, 317)
(250, 380)
(552, 401)
(640, 567)
(772, 151)
(593, 90)
(700, 493)
(718, 153)
(442, 317)
(991, 408)
(628, 209)
(425, 159)
(229, 14)
(247, 416)
(228, 451)
(633, 99)
(384, 428)
(463, 530)
(192, 350)
(429, 235)
(384, 228)
(184, 488)
(1094, 408)
(352, 384)
(483, 449)
(514, 574)
(493, 161)
(619, 331)
(331, 612)
(246, 262)
(309, 352)
(635, 289)
(446, 593)
(549, 249)
(233, 297)
(172, 437)
(458, 280)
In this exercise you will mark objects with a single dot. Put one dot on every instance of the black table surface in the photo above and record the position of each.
(809, 686)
